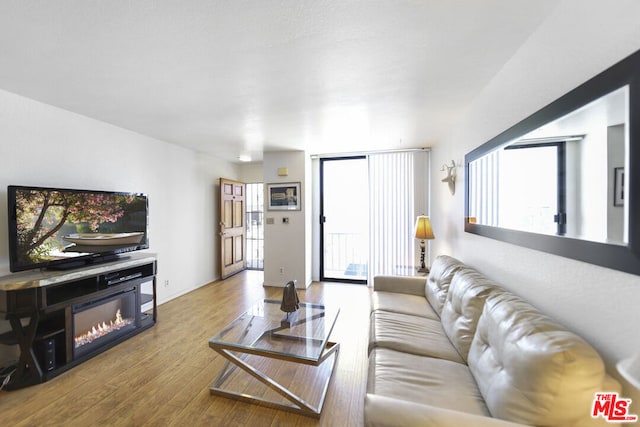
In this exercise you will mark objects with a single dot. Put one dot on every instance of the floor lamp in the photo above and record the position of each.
(423, 232)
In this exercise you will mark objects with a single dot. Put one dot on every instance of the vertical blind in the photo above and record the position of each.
(398, 192)
(483, 197)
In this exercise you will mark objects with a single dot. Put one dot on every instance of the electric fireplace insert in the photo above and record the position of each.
(101, 322)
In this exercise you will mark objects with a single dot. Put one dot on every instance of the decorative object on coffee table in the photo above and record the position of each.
(290, 302)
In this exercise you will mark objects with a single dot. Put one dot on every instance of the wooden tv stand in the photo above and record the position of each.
(42, 307)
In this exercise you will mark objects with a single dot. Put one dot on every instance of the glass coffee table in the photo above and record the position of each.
(264, 335)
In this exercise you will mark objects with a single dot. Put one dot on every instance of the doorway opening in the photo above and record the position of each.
(344, 224)
(255, 226)
(540, 205)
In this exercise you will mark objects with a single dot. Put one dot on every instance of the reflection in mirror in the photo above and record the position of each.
(565, 178)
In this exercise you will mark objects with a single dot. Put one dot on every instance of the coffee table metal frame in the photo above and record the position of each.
(327, 353)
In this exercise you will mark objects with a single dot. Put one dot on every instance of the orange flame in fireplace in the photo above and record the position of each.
(102, 329)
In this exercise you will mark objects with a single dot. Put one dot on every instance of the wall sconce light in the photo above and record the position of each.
(451, 176)
(423, 231)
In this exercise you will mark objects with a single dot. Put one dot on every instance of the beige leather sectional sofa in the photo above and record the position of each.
(455, 349)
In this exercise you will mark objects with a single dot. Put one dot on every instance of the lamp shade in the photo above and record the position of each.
(423, 228)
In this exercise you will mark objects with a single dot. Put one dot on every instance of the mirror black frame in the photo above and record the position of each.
(619, 257)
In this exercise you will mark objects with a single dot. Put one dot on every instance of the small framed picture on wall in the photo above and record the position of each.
(283, 196)
(618, 187)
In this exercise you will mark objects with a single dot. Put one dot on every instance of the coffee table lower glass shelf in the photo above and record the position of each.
(266, 343)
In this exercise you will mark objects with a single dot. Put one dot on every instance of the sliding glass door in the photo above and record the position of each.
(536, 205)
(368, 207)
(344, 219)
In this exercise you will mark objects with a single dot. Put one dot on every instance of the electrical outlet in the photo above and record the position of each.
(166, 283)
(281, 270)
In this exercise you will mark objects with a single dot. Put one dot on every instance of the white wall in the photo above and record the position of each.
(251, 172)
(287, 246)
(579, 40)
(42, 145)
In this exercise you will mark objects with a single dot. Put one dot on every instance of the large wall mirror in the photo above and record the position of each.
(563, 180)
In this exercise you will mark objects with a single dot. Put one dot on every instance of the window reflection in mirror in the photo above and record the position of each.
(565, 178)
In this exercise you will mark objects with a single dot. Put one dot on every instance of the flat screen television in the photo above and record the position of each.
(64, 228)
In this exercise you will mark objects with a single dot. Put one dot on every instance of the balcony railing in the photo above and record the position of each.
(345, 256)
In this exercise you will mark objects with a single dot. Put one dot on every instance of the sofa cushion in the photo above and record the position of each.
(411, 334)
(402, 303)
(413, 285)
(427, 380)
(382, 411)
(530, 369)
(437, 286)
(463, 306)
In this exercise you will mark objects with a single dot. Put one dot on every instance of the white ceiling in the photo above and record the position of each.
(242, 77)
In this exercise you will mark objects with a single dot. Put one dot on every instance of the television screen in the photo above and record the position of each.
(51, 227)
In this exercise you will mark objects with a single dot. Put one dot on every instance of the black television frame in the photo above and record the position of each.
(73, 262)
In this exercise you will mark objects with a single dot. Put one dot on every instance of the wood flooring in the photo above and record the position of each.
(161, 377)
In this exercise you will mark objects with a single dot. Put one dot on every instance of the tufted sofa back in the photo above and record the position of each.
(530, 369)
(437, 285)
(463, 306)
